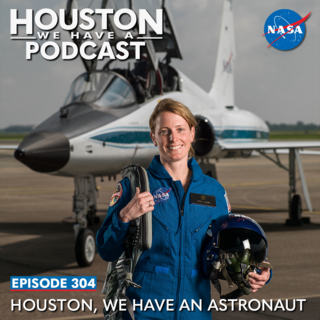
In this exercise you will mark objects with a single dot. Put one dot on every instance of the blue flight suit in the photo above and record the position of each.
(171, 268)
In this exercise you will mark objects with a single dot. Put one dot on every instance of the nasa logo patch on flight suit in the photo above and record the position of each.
(161, 195)
(117, 193)
(228, 203)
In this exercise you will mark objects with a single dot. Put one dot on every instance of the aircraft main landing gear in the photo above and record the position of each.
(295, 206)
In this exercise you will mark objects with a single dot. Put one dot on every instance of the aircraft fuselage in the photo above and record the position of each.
(89, 141)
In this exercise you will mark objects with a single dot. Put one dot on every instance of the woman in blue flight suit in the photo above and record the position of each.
(183, 201)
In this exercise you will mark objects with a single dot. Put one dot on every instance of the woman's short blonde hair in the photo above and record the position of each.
(176, 107)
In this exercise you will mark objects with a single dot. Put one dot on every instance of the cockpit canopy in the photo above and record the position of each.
(103, 89)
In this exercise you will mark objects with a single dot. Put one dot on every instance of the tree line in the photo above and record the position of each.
(299, 126)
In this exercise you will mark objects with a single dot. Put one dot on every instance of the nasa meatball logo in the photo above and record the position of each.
(161, 195)
(285, 29)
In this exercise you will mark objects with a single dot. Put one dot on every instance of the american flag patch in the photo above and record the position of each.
(228, 203)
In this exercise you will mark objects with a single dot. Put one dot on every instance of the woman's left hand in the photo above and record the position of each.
(257, 281)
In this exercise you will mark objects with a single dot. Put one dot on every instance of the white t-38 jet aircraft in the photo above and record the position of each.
(103, 125)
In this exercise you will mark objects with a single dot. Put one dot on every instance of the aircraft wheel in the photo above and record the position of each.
(296, 207)
(85, 248)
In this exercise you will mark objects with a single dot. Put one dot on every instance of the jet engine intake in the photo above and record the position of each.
(204, 139)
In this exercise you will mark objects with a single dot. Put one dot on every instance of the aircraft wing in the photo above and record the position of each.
(286, 151)
(265, 145)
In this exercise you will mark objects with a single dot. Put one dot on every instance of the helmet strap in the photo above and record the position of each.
(226, 276)
(260, 264)
(236, 294)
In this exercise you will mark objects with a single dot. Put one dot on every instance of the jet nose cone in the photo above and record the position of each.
(44, 151)
(19, 154)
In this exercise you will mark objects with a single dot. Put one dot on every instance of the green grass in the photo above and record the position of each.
(12, 136)
(294, 135)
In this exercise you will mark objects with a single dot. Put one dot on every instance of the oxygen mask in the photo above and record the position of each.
(234, 247)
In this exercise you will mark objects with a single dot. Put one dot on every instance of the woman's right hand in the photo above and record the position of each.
(140, 204)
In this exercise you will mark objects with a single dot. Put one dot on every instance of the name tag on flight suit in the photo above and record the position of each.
(203, 200)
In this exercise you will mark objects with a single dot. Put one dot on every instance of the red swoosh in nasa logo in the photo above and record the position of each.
(227, 64)
(161, 195)
(296, 24)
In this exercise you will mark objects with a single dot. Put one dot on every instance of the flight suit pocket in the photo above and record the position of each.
(161, 239)
(198, 228)
(161, 222)
(201, 217)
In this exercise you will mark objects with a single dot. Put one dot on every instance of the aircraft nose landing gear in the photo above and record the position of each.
(84, 206)
(85, 248)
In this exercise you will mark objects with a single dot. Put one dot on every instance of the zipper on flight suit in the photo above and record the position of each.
(183, 200)
(181, 211)
(184, 196)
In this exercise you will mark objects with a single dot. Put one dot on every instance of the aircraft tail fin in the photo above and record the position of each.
(223, 83)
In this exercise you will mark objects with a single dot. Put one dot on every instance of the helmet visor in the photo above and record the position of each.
(231, 240)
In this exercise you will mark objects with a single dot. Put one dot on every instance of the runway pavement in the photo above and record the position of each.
(36, 235)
